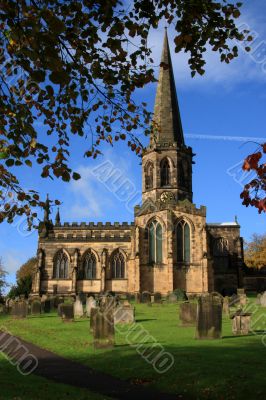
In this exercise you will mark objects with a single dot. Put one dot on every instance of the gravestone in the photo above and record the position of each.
(145, 297)
(90, 303)
(20, 309)
(103, 326)
(188, 314)
(3, 309)
(36, 307)
(263, 300)
(92, 318)
(124, 314)
(209, 317)
(157, 298)
(59, 313)
(226, 309)
(78, 308)
(46, 305)
(258, 299)
(67, 312)
(172, 298)
(241, 323)
(137, 298)
(240, 291)
(242, 299)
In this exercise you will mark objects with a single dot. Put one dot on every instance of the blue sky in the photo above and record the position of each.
(220, 112)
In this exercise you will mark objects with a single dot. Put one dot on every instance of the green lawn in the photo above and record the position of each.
(230, 368)
(14, 386)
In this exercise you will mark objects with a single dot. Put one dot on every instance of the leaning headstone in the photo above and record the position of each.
(124, 314)
(172, 298)
(241, 323)
(188, 314)
(78, 308)
(67, 312)
(226, 309)
(263, 300)
(20, 309)
(157, 298)
(103, 327)
(145, 297)
(90, 303)
(209, 317)
(36, 308)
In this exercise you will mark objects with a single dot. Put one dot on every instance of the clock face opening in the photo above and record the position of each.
(165, 196)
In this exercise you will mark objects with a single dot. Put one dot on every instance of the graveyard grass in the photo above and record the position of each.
(230, 368)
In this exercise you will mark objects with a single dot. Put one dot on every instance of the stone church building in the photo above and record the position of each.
(168, 246)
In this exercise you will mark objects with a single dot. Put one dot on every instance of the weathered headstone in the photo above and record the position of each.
(20, 309)
(103, 326)
(188, 314)
(157, 298)
(172, 298)
(124, 314)
(240, 291)
(241, 323)
(263, 300)
(67, 312)
(242, 299)
(36, 307)
(145, 297)
(78, 308)
(226, 309)
(90, 303)
(46, 305)
(92, 318)
(258, 299)
(209, 317)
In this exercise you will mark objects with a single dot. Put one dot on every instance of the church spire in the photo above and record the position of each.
(168, 127)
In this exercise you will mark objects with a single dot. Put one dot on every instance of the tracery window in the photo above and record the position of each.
(165, 172)
(183, 242)
(118, 265)
(155, 242)
(61, 265)
(89, 266)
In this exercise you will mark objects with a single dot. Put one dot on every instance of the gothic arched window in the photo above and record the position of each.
(118, 265)
(183, 242)
(165, 172)
(61, 264)
(89, 266)
(149, 176)
(155, 242)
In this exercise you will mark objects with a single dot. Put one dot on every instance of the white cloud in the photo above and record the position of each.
(91, 197)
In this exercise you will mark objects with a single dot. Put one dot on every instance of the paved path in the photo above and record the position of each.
(62, 370)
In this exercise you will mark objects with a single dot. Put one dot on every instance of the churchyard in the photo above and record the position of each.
(232, 366)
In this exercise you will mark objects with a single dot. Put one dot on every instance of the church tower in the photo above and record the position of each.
(167, 163)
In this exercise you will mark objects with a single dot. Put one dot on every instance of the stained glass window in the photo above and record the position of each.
(61, 266)
(155, 242)
(118, 265)
(89, 266)
(183, 242)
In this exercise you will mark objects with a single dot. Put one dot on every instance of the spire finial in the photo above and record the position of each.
(47, 209)
(57, 217)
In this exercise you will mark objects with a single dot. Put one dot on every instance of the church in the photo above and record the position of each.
(168, 246)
